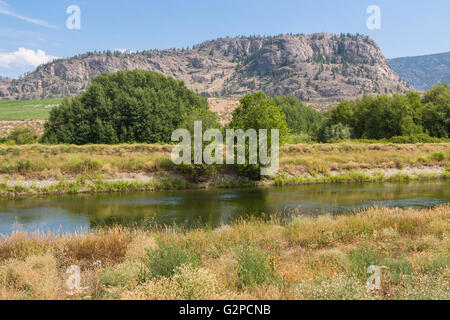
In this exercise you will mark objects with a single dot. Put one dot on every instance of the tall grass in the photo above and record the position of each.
(302, 258)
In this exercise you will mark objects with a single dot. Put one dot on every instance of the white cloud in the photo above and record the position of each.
(24, 57)
(5, 9)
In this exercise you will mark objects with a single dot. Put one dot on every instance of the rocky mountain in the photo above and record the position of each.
(316, 67)
(423, 72)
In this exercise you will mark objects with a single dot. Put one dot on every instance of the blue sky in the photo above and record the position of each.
(35, 31)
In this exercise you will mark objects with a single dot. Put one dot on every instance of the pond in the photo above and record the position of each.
(212, 207)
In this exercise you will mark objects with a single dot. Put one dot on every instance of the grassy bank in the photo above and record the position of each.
(297, 258)
(42, 169)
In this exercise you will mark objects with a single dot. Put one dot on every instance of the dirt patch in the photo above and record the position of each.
(224, 108)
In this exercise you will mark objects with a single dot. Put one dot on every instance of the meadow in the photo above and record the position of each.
(293, 258)
(13, 110)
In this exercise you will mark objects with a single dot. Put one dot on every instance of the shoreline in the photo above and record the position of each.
(145, 183)
(67, 169)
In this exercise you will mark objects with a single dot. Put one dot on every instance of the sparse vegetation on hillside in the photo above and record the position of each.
(423, 72)
(317, 67)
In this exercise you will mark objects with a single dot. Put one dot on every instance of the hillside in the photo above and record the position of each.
(317, 67)
(4, 81)
(423, 72)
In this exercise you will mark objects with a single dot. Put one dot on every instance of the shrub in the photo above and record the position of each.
(254, 267)
(336, 133)
(121, 275)
(361, 258)
(188, 283)
(438, 156)
(22, 136)
(419, 138)
(166, 258)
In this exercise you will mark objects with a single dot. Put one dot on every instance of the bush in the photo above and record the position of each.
(420, 138)
(121, 275)
(22, 136)
(254, 267)
(336, 133)
(123, 107)
(438, 156)
(166, 258)
(361, 258)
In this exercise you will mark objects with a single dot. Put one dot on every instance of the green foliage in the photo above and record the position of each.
(343, 113)
(436, 116)
(299, 117)
(21, 136)
(438, 156)
(386, 117)
(419, 138)
(335, 132)
(166, 258)
(254, 267)
(199, 172)
(206, 116)
(127, 106)
(361, 258)
(258, 111)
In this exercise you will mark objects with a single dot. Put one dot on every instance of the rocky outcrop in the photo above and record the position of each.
(317, 67)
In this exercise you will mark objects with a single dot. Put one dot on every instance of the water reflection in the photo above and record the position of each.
(207, 207)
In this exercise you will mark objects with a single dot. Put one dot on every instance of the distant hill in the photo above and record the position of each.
(423, 72)
(319, 67)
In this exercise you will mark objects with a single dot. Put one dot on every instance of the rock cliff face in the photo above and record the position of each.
(317, 67)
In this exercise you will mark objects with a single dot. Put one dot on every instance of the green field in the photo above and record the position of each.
(27, 109)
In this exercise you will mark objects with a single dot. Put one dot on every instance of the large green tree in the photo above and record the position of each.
(258, 111)
(300, 118)
(122, 107)
(436, 114)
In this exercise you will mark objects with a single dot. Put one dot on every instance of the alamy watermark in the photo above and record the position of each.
(74, 20)
(374, 20)
(236, 147)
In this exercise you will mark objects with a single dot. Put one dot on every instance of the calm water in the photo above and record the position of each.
(212, 207)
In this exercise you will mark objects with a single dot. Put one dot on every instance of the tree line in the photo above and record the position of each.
(146, 107)
(385, 117)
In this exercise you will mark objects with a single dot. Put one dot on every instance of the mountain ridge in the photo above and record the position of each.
(422, 72)
(317, 67)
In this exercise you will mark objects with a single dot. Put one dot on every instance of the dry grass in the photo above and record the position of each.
(34, 168)
(300, 258)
